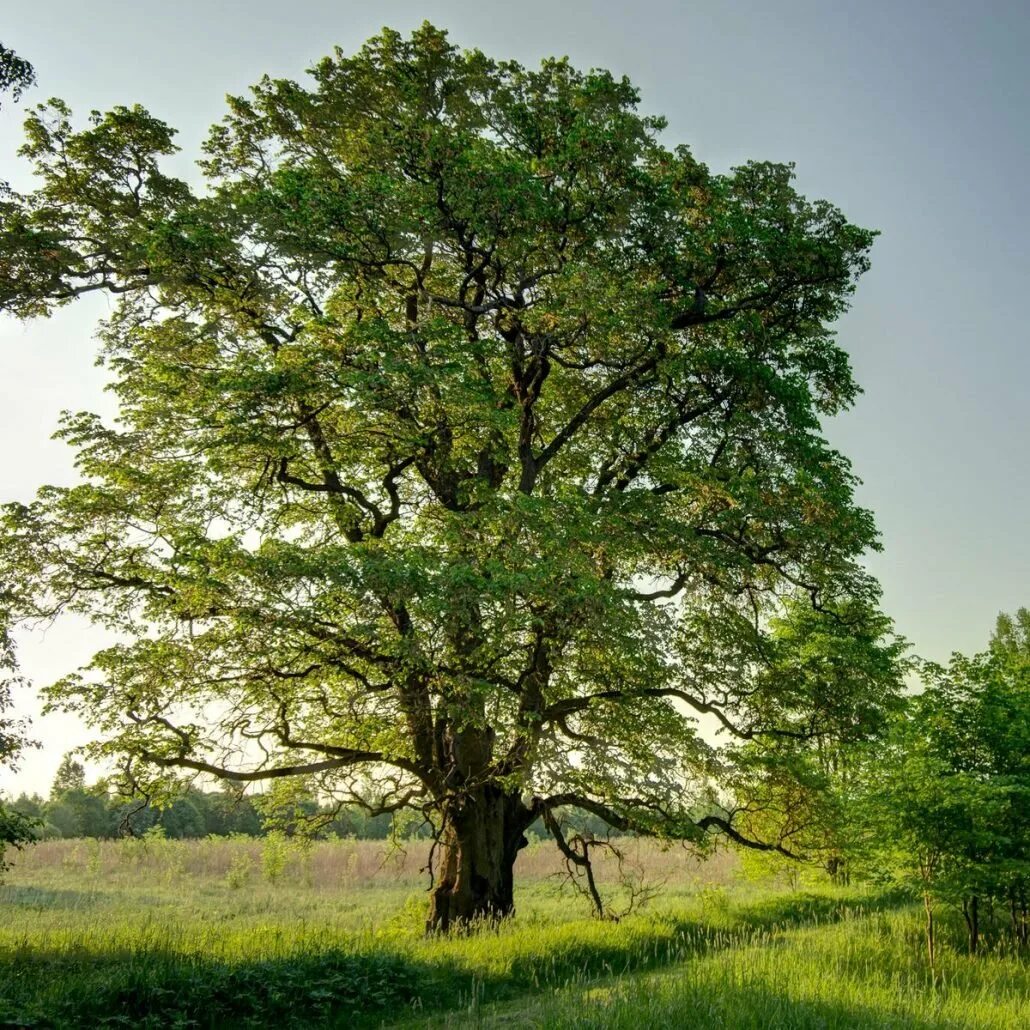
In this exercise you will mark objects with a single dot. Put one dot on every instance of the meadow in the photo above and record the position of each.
(236, 932)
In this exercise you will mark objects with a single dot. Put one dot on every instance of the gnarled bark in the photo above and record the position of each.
(482, 835)
(483, 831)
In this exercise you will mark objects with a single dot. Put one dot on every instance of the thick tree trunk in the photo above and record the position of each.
(482, 835)
(837, 869)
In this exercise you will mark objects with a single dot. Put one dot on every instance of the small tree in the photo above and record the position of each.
(450, 408)
(70, 776)
(1007, 713)
(830, 683)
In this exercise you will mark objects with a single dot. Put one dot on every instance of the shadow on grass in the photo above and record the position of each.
(146, 986)
(789, 910)
(155, 988)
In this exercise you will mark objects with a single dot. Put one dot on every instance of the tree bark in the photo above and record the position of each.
(482, 835)
(930, 941)
(971, 910)
(837, 869)
(1018, 912)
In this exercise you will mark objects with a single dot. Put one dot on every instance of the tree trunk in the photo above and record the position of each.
(837, 869)
(971, 910)
(930, 941)
(482, 835)
(1020, 923)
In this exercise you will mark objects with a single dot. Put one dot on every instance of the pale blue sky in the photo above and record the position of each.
(911, 116)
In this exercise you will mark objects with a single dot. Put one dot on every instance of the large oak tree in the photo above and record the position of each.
(457, 412)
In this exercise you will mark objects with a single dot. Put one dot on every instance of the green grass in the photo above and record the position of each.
(104, 937)
(864, 972)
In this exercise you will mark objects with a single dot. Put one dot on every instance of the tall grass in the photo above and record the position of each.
(158, 936)
(326, 865)
(861, 972)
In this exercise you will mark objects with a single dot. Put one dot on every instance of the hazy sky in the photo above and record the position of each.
(911, 116)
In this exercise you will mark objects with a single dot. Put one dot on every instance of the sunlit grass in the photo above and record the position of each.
(865, 971)
(168, 938)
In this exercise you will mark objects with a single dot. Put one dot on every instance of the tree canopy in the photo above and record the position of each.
(16, 828)
(16, 74)
(468, 444)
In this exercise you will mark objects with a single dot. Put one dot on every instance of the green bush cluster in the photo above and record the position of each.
(948, 801)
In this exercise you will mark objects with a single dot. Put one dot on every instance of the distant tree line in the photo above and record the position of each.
(74, 809)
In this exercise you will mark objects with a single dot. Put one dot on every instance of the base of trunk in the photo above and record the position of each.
(455, 904)
(478, 846)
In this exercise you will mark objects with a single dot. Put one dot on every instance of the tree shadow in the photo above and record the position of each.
(686, 937)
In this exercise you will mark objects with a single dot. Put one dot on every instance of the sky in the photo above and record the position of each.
(910, 116)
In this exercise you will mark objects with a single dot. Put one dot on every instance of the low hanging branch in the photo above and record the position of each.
(577, 855)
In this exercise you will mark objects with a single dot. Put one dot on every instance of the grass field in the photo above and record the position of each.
(226, 933)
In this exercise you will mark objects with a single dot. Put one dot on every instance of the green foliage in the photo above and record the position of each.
(16, 74)
(226, 814)
(70, 776)
(30, 805)
(274, 855)
(183, 819)
(453, 411)
(239, 872)
(19, 824)
(16, 830)
(79, 813)
(830, 684)
(951, 798)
